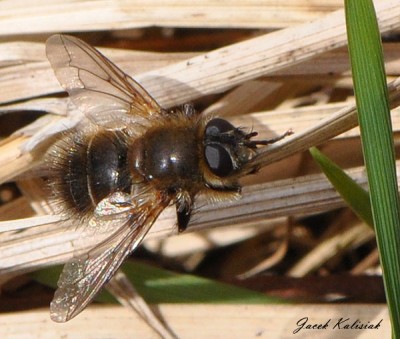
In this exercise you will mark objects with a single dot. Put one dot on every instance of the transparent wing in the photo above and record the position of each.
(83, 277)
(96, 85)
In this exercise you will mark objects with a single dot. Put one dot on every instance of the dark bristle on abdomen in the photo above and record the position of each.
(75, 180)
(87, 168)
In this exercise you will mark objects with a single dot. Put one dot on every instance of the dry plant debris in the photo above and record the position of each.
(262, 66)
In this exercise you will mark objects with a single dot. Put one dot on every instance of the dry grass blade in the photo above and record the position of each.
(201, 321)
(267, 200)
(119, 14)
(14, 225)
(126, 294)
(34, 65)
(229, 66)
(243, 99)
(326, 129)
(19, 165)
(329, 248)
(226, 67)
(52, 244)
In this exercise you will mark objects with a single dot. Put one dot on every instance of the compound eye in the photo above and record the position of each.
(219, 160)
(218, 126)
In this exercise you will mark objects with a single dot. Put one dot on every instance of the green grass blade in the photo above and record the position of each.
(351, 192)
(376, 135)
(157, 285)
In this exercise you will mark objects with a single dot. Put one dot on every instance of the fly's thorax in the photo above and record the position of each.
(168, 156)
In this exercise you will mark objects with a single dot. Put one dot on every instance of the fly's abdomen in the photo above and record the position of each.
(88, 168)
